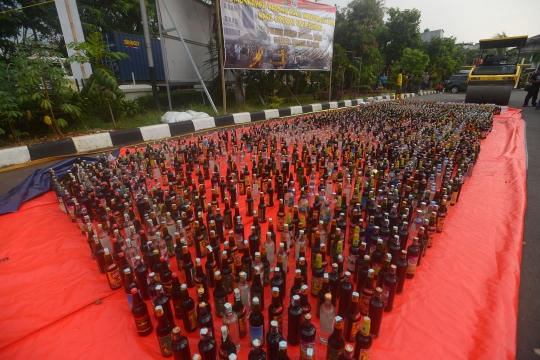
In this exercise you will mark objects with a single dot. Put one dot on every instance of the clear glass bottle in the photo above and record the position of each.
(328, 313)
(231, 321)
(245, 290)
(270, 249)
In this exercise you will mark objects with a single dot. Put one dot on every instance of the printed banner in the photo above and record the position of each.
(277, 34)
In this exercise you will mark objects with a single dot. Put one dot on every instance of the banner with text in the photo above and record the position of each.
(277, 35)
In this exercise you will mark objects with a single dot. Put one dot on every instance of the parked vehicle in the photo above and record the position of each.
(456, 83)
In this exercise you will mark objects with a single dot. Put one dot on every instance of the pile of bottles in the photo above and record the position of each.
(358, 196)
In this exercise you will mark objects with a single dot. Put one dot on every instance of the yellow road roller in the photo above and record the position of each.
(493, 76)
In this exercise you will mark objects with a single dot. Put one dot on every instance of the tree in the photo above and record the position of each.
(39, 23)
(403, 31)
(101, 85)
(412, 61)
(443, 56)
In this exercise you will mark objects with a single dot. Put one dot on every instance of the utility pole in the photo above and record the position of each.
(149, 52)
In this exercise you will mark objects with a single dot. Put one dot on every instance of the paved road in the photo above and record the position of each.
(529, 295)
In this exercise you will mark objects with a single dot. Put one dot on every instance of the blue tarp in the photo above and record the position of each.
(39, 182)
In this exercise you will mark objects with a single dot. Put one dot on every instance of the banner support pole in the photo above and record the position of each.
(221, 60)
(330, 84)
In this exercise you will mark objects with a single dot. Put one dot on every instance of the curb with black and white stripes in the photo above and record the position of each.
(93, 142)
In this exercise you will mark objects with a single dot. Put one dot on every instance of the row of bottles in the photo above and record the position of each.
(358, 196)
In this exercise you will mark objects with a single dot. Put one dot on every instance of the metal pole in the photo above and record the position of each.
(330, 84)
(221, 60)
(149, 54)
(190, 58)
(165, 65)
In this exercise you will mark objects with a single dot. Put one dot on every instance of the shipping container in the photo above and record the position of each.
(136, 67)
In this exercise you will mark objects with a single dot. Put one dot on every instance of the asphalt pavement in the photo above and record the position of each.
(528, 332)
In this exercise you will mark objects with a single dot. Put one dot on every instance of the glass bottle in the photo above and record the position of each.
(322, 292)
(346, 289)
(165, 303)
(265, 271)
(188, 268)
(139, 310)
(294, 321)
(347, 353)
(352, 319)
(367, 292)
(336, 344)
(389, 288)
(188, 311)
(256, 323)
(273, 338)
(335, 280)
(275, 310)
(283, 351)
(130, 283)
(401, 272)
(247, 262)
(112, 271)
(210, 266)
(180, 345)
(164, 332)
(269, 245)
(376, 311)
(363, 341)
(327, 312)
(413, 254)
(245, 292)
(241, 314)
(257, 352)
(226, 273)
(257, 289)
(227, 346)
(200, 279)
(141, 273)
(207, 345)
(308, 335)
(230, 320)
(220, 295)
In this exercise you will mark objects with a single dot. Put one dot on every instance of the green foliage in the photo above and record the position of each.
(101, 86)
(443, 55)
(403, 32)
(412, 61)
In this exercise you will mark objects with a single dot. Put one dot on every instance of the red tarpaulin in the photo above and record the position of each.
(461, 304)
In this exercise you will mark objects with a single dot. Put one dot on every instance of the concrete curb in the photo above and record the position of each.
(95, 142)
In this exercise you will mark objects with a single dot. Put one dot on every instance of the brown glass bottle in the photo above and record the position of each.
(112, 271)
(352, 319)
(164, 332)
(401, 272)
(180, 345)
(336, 343)
(376, 311)
(140, 314)
(389, 288)
(363, 341)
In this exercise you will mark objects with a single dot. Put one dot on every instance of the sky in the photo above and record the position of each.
(471, 20)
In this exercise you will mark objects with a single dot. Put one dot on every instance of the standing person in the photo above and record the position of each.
(409, 83)
(399, 84)
(425, 80)
(383, 80)
(532, 92)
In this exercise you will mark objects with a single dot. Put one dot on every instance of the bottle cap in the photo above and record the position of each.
(255, 301)
(328, 296)
(134, 291)
(159, 310)
(231, 357)
(307, 316)
(228, 307)
(176, 330)
(203, 332)
(127, 271)
(256, 343)
(296, 298)
(309, 353)
(282, 345)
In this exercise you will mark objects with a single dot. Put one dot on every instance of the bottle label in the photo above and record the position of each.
(364, 354)
(316, 285)
(351, 265)
(356, 327)
(333, 354)
(192, 316)
(440, 222)
(256, 333)
(143, 323)
(376, 267)
(227, 283)
(177, 306)
(170, 248)
(413, 260)
(385, 294)
(364, 303)
(165, 344)
(167, 287)
(130, 300)
(220, 305)
(242, 326)
(279, 319)
(115, 280)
